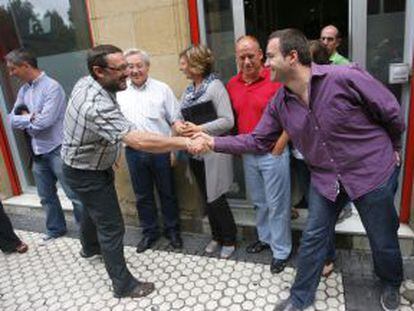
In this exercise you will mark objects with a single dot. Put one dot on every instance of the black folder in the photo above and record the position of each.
(200, 113)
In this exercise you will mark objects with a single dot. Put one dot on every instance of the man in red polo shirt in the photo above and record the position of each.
(267, 176)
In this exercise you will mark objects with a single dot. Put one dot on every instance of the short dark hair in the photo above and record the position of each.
(319, 52)
(20, 56)
(293, 40)
(97, 56)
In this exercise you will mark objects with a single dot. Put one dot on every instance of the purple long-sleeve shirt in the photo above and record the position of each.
(347, 134)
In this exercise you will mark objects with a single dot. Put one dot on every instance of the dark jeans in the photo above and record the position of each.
(302, 176)
(380, 220)
(102, 225)
(220, 217)
(147, 169)
(8, 239)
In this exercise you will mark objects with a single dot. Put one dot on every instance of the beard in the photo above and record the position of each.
(114, 86)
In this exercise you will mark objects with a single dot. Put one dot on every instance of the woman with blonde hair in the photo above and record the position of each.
(205, 107)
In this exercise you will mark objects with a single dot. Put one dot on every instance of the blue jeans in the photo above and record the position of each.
(268, 184)
(147, 169)
(47, 170)
(380, 220)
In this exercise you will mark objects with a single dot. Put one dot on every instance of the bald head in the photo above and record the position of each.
(330, 37)
(248, 40)
(249, 57)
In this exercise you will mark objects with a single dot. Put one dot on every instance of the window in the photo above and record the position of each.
(58, 33)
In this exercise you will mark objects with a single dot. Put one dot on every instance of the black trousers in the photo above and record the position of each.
(8, 239)
(102, 226)
(220, 217)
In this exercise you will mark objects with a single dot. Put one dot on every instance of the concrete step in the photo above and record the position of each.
(351, 231)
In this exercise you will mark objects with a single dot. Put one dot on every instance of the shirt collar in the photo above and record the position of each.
(139, 88)
(316, 72)
(262, 75)
(40, 77)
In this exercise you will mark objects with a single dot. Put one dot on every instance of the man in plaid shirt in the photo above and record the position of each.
(94, 128)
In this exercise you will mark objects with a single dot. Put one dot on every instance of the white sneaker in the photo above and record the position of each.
(211, 247)
(46, 239)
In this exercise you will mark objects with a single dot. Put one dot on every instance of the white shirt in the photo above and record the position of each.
(151, 107)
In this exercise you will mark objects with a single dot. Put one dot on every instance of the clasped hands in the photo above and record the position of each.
(198, 142)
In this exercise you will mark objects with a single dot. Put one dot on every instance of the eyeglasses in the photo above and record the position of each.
(329, 39)
(119, 69)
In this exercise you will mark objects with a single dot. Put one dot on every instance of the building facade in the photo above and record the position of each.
(378, 34)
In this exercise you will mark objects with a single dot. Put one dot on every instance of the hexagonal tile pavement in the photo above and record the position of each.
(55, 277)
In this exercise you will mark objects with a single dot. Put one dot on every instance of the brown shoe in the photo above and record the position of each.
(22, 248)
(141, 290)
(328, 268)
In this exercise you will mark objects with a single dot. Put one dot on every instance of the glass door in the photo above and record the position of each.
(384, 36)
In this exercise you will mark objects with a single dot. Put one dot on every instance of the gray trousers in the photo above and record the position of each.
(102, 227)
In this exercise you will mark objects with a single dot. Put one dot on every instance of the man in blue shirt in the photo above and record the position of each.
(39, 110)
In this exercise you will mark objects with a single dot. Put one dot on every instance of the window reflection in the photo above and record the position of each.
(50, 27)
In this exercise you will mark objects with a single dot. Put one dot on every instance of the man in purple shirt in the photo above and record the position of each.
(348, 127)
(39, 110)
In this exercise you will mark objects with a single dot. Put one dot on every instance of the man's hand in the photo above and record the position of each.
(397, 158)
(280, 144)
(190, 129)
(201, 143)
(179, 127)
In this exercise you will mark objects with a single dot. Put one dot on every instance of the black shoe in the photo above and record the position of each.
(175, 240)
(286, 305)
(257, 247)
(86, 255)
(141, 290)
(390, 298)
(145, 244)
(278, 265)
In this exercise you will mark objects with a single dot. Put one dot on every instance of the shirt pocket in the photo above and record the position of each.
(154, 110)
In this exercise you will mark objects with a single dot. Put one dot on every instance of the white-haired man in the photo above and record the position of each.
(151, 105)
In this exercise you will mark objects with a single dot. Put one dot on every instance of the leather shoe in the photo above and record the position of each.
(145, 243)
(257, 247)
(141, 290)
(86, 255)
(175, 240)
(278, 265)
(286, 305)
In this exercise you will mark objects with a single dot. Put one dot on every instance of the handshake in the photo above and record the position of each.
(200, 143)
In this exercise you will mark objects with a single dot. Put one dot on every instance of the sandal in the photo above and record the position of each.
(294, 214)
(328, 268)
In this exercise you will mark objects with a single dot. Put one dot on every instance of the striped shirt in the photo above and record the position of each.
(151, 107)
(46, 101)
(93, 128)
